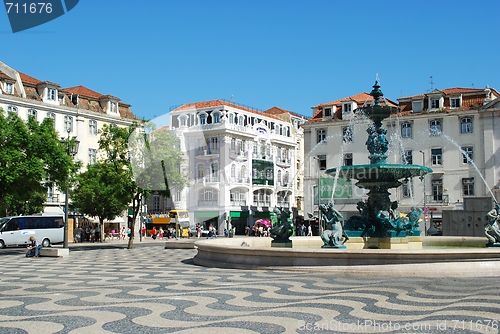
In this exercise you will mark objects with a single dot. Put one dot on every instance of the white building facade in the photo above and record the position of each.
(242, 162)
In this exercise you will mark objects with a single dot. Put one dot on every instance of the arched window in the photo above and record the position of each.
(233, 171)
(286, 179)
(203, 119)
(243, 173)
(216, 117)
(231, 118)
(200, 171)
(214, 169)
(241, 120)
(52, 115)
(279, 178)
(12, 109)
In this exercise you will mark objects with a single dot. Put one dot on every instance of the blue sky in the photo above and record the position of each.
(292, 54)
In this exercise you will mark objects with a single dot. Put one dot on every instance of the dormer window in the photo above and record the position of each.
(203, 119)
(51, 94)
(347, 107)
(216, 117)
(417, 106)
(113, 107)
(327, 112)
(182, 120)
(455, 102)
(9, 88)
(435, 103)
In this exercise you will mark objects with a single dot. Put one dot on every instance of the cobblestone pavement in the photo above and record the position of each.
(105, 288)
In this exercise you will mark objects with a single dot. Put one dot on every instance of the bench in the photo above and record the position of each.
(54, 252)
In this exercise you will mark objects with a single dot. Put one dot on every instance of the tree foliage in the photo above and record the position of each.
(130, 171)
(32, 159)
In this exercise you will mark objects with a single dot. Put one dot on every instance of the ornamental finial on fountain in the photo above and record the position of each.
(376, 93)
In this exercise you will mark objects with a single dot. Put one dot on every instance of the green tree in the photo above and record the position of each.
(134, 161)
(32, 158)
(101, 191)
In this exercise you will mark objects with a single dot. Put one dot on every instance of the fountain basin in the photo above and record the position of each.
(473, 259)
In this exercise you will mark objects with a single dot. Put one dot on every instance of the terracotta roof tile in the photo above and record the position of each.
(220, 103)
(83, 91)
(28, 79)
(277, 110)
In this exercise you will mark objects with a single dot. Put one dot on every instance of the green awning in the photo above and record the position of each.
(263, 214)
(239, 214)
(206, 214)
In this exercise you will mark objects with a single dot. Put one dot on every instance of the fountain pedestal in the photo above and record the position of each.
(379, 224)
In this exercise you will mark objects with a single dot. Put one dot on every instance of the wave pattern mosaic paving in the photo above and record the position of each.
(156, 290)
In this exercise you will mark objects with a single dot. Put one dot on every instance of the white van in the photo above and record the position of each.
(17, 230)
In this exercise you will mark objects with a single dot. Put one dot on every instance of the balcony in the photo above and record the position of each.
(238, 203)
(437, 199)
(52, 198)
(283, 162)
(207, 152)
(208, 203)
(262, 203)
(283, 204)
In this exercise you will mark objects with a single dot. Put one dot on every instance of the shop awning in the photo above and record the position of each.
(206, 214)
(239, 214)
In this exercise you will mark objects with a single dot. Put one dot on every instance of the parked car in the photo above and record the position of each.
(194, 233)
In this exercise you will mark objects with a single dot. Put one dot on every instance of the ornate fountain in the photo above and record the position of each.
(378, 216)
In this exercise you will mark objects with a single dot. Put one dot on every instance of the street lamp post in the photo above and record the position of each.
(72, 150)
(423, 180)
(319, 193)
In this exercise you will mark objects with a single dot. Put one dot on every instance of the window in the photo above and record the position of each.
(437, 190)
(437, 156)
(12, 109)
(156, 203)
(435, 127)
(216, 117)
(466, 125)
(183, 120)
(93, 127)
(321, 161)
(406, 130)
(286, 179)
(214, 167)
(327, 112)
(467, 154)
(32, 113)
(417, 106)
(241, 120)
(9, 88)
(231, 118)
(52, 115)
(92, 156)
(407, 188)
(468, 186)
(455, 102)
(213, 145)
(320, 135)
(348, 159)
(113, 107)
(279, 177)
(243, 173)
(201, 171)
(347, 107)
(407, 157)
(203, 119)
(347, 134)
(68, 123)
(233, 171)
(434, 103)
(51, 94)
(177, 195)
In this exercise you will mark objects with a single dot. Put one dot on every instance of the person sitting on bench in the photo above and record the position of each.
(34, 247)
